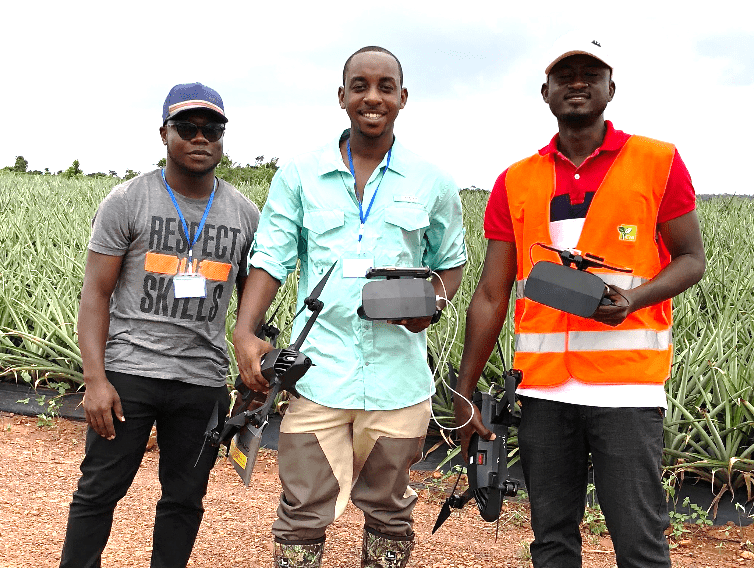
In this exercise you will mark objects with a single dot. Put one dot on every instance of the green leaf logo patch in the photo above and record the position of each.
(627, 232)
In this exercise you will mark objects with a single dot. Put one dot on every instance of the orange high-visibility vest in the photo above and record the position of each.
(620, 226)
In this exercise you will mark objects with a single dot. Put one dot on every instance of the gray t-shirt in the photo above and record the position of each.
(152, 333)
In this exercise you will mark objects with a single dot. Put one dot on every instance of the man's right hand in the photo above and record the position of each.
(101, 400)
(249, 352)
(473, 424)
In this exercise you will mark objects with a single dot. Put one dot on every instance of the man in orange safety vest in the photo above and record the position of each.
(591, 386)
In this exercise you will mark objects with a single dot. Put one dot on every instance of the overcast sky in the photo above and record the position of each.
(86, 80)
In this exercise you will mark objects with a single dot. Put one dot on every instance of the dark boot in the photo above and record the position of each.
(298, 554)
(382, 551)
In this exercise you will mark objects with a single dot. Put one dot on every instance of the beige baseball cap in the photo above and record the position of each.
(578, 43)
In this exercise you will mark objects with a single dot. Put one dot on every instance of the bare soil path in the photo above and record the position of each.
(39, 470)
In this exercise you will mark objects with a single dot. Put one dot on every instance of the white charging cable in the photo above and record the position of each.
(444, 351)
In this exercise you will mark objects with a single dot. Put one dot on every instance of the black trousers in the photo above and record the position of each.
(181, 412)
(626, 447)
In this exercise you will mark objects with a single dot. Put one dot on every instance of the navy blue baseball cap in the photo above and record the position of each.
(191, 96)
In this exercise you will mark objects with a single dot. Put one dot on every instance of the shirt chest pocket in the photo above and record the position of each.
(404, 234)
(324, 230)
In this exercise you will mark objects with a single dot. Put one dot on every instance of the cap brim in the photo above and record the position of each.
(185, 108)
(574, 52)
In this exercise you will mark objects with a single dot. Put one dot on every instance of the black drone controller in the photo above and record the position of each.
(559, 286)
(404, 293)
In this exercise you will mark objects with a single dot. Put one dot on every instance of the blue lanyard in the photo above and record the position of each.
(183, 219)
(362, 216)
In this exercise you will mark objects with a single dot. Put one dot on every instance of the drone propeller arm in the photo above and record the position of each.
(315, 305)
(308, 326)
(264, 410)
(257, 417)
(582, 261)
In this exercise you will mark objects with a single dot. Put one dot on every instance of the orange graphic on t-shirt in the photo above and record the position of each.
(171, 265)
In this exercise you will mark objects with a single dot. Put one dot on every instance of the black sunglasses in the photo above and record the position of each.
(212, 131)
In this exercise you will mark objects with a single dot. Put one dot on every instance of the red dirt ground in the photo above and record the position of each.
(39, 470)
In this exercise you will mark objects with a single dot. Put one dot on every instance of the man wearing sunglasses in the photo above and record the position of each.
(166, 249)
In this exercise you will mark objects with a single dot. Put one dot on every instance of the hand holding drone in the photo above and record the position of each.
(282, 368)
(487, 466)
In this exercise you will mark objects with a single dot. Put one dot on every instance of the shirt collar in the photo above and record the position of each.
(332, 161)
(614, 140)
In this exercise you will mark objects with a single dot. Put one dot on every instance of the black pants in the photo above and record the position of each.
(626, 448)
(181, 411)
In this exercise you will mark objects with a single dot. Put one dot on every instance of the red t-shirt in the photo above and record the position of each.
(575, 187)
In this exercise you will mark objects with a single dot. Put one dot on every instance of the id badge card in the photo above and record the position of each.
(190, 286)
(356, 267)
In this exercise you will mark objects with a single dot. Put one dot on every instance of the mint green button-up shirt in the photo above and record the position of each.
(312, 214)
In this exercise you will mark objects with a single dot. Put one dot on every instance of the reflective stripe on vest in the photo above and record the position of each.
(617, 340)
(540, 342)
(623, 281)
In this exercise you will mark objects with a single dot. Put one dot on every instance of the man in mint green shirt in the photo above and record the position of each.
(363, 200)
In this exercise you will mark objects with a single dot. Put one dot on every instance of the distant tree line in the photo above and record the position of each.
(259, 172)
(705, 196)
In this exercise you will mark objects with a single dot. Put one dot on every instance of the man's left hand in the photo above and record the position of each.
(621, 307)
(414, 325)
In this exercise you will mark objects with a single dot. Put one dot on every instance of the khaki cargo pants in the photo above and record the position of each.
(327, 455)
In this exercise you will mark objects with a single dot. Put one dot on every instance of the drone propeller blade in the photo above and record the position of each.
(321, 284)
(443, 516)
(275, 312)
(267, 331)
(201, 451)
(214, 419)
(315, 306)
